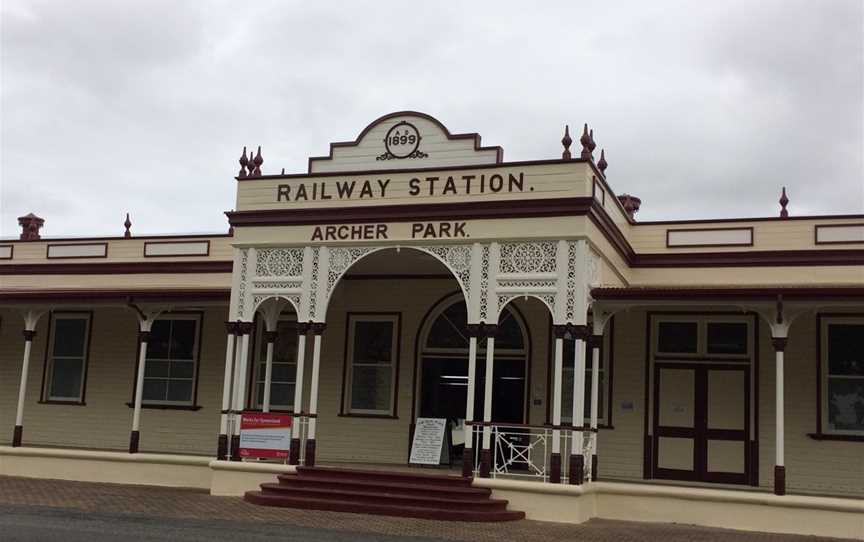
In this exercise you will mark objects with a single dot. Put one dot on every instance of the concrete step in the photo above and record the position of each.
(427, 499)
(378, 508)
(384, 485)
(393, 476)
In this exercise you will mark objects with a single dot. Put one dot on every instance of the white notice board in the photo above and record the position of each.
(428, 439)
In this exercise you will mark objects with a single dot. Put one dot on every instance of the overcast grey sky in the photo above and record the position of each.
(705, 108)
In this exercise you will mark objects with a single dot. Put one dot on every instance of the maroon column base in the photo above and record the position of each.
(779, 480)
(485, 463)
(555, 468)
(222, 447)
(468, 463)
(16, 435)
(310, 452)
(134, 440)
(577, 469)
(294, 452)
(235, 448)
(593, 468)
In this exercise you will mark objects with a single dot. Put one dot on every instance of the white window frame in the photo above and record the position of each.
(825, 323)
(49, 377)
(353, 319)
(196, 359)
(261, 361)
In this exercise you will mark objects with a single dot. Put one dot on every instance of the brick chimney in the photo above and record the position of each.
(631, 204)
(30, 225)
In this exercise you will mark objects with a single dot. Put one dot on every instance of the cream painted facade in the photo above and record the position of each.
(393, 229)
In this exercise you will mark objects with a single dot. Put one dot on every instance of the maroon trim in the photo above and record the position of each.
(74, 240)
(841, 438)
(11, 251)
(753, 258)
(466, 210)
(816, 292)
(50, 257)
(779, 480)
(555, 468)
(148, 243)
(451, 137)
(703, 245)
(118, 296)
(751, 219)
(114, 268)
(345, 410)
(818, 242)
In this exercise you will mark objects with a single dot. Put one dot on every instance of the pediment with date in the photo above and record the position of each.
(405, 140)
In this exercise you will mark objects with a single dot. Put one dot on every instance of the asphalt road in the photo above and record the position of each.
(42, 524)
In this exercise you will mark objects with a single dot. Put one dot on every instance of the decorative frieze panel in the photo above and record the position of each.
(243, 285)
(279, 262)
(527, 258)
(294, 299)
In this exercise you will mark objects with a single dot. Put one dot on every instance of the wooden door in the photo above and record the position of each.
(701, 422)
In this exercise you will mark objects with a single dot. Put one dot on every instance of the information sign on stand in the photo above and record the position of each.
(265, 435)
(426, 448)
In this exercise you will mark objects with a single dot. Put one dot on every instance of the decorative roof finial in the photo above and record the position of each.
(591, 144)
(784, 201)
(585, 140)
(257, 161)
(127, 234)
(243, 163)
(566, 141)
(602, 164)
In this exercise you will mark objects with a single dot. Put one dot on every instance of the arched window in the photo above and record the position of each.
(443, 355)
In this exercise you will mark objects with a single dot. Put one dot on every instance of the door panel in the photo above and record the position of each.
(727, 398)
(675, 453)
(678, 389)
(726, 456)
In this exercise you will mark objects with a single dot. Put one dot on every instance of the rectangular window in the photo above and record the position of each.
(567, 382)
(284, 373)
(172, 355)
(372, 360)
(843, 375)
(677, 338)
(67, 357)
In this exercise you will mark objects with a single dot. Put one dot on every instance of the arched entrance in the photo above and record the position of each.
(442, 351)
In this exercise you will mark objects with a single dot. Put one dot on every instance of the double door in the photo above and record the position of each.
(701, 422)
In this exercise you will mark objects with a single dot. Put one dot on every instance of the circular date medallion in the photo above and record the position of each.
(402, 140)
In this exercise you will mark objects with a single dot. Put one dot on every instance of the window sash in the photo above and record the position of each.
(171, 360)
(827, 426)
(48, 393)
(390, 365)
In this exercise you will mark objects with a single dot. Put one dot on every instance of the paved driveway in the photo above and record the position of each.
(48, 510)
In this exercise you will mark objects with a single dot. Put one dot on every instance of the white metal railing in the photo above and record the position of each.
(525, 451)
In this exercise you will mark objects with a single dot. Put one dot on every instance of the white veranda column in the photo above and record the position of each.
(468, 453)
(143, 338)
(779, 461)
(294, 455)
(30, 320)
(558, 331)
(317, 329)
(222, 445)
(241, 366)
(486, 452)
(595, 342)
(269, 338)
(577, 453)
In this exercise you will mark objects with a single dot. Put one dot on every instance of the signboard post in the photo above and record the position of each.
(265, 435)
(428, 440)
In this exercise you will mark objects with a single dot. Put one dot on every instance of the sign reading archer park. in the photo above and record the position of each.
(263, 434)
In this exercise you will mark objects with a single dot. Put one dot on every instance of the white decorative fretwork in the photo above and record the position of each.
(241, 288)
(277, 284)
(484, 284)
(547, 299)
(313, 284)
(294, 299)
(279, 262)
(524, 258)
